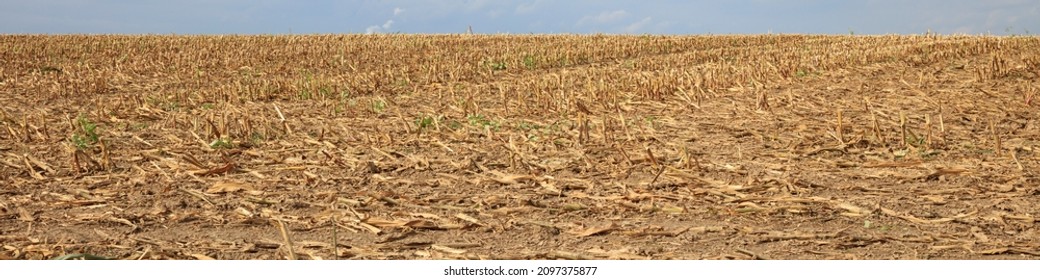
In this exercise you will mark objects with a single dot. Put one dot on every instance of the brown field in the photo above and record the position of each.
(519, 147)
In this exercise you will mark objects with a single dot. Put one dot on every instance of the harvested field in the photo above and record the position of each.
(519, 147)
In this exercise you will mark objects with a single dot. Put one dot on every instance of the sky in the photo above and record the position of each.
(996, 17)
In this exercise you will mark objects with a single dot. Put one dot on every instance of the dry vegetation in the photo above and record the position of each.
(502, 147)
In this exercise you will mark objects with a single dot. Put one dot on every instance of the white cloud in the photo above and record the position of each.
(373, 29)
(379, 28)
(635, 27)
(603, 17)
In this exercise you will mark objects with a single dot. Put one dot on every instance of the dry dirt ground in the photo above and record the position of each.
(885, 157)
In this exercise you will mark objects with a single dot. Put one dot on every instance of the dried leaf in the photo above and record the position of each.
(32, 172)
(704, 229)
(569, 256)
(243, 212)
(422, 224)
(228, 187)
(1009, 250)
(371, 228)
(620, 254)
(509, 179)
(380, 222)
(511, 210)
(426, 215)
(219, 170)
(917, 220)
(469, 218)
(596, 230)
(122, 221)
(673, 209)
(40, 164)
(201, 257)
(942, 172)
(853, 210)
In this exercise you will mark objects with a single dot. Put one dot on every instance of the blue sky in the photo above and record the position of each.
(998, 17)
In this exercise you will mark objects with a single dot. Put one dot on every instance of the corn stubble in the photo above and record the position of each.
(502, 147)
